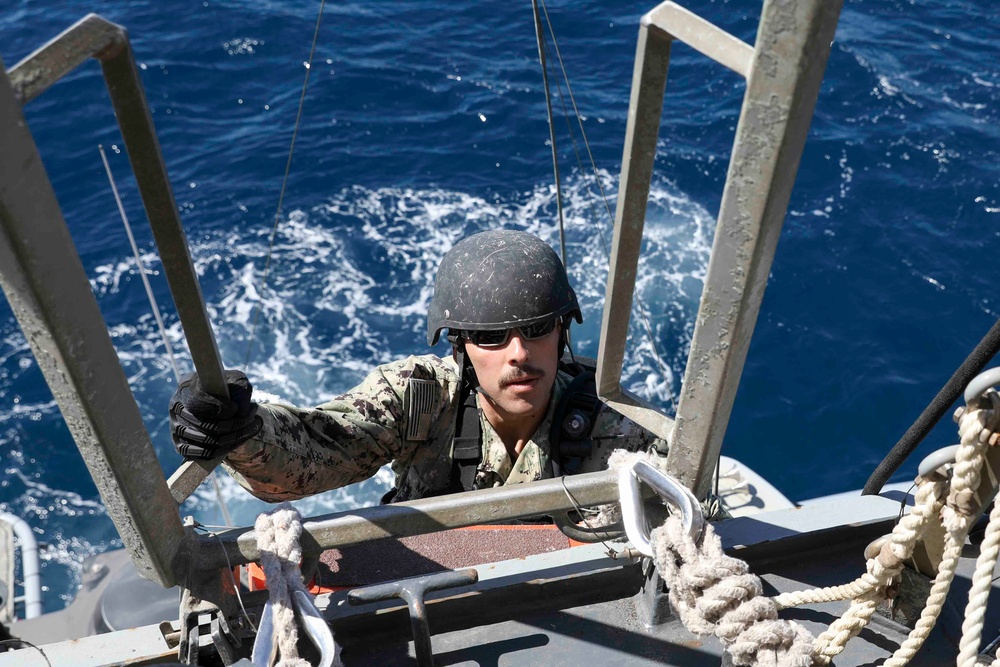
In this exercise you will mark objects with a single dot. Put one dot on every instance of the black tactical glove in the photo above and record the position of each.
(203, 426)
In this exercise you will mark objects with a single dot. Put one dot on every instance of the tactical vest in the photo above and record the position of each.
(569, 437)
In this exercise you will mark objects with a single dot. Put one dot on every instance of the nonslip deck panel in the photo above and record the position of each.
(392, 559)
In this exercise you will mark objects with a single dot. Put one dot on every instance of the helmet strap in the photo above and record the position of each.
(564, 338)
(466, 370)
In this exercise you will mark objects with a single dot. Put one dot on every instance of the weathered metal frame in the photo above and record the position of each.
(93, 36)
(47, 286)
(50, 294)
(783, 73)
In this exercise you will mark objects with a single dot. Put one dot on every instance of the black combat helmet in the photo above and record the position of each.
(499, 280)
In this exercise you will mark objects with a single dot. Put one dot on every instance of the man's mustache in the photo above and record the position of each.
(521, 373)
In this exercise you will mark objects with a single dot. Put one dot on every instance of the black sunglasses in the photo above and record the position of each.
(498, 337)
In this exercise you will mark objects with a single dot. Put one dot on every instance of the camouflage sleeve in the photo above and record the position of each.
(303, 451)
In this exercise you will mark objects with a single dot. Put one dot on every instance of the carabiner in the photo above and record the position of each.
(671, 491)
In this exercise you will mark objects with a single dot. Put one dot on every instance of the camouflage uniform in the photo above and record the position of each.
(302, 451)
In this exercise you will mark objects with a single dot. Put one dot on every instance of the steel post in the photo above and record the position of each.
(791, 50)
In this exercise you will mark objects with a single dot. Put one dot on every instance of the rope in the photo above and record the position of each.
(982, 580)
(887, 565)
(278, 540)
(716, 594)
(935, 603)
(976, 428)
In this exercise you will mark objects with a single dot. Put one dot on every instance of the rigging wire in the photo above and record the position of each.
(284, 181)
(156, 314)
(637, 300)
(540, 39)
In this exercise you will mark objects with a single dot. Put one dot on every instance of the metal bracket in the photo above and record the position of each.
(225, 640)
(207, 593)
(412, 591)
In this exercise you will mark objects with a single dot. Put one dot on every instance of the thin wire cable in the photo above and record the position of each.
(902, 502)
(637, 299)
(540, 39)
(576, 111)
(156, 313)
(284, 181)
(139, 265)
(229, 568)
(582, 514)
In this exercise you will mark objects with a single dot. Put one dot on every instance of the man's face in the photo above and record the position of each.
(518, 375)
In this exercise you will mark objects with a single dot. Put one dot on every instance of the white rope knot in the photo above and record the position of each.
(716, 594)
(278, 536)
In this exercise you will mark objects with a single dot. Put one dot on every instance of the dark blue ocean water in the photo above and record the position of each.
(425, 122)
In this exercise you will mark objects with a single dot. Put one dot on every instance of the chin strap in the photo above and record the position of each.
(467, 448)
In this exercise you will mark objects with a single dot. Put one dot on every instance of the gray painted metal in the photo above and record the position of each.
(649, 79)
(139, 646)
(96, 37)
(6, 572)
(659, 28)
(417, 517)
(412, 592)
(784, 74)
(48, 290)
(792, 47)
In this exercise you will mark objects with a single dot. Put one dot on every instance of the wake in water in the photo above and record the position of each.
(348, 288)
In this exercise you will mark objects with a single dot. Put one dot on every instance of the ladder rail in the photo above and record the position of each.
(784, 71)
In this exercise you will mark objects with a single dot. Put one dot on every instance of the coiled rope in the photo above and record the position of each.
(714, 594)
(976, 428)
